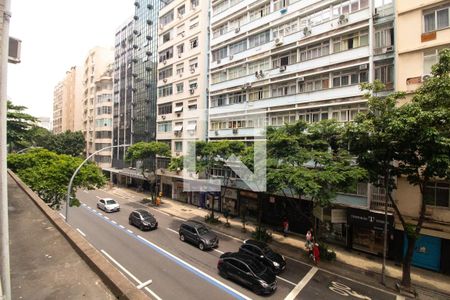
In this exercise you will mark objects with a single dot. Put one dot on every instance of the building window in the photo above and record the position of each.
(259, 39)
(436, 19)
(180, 87)
(166, 19)
(178, 146)
(181, 10)
(349, 77)
(193, 64)
(386, 75)
(191, 126)
(219, 100)
(194, 3)
(166, 54)
(279, 4)
(180, 49)
(165, 127)
(219, 54)
(219, 77)
(238, 22)
(220, 7)
(260, 12)
(165, 109)
(237, 72)
(437, 194)
(193, 84)
(165, 90)
(165, 73)
(285, 29)
(193, 26)
(194, 43)
(284, 59)
(104, 110)
(220, 30)
(350, 41)
(166, 37)
(284, 89)
(238, 47)
(314, 84)
(238, 97)
(103, 123)
(259, 65)
(258, 94)
(315, 51)
(384, 37)
(192, 106)
(180, 69)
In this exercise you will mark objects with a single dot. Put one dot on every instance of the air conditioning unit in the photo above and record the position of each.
(363, 67)
(191, 91)
(389, 49)
(375, 12)
(306, 31)
(261, 74)
(235, 130)
(192, 70)
(181, 75)
(257, 74)
(247, 85)
(282, 68)
(218, 61)
(425, 77)
(342, 19)
(164, 61)
(231, 57)
(301, 79)
(179, 55)
(237, 30)
(161, 26)
(278, 41)
(216, 132)
(165, 80)
(180, 16)
(163, 117)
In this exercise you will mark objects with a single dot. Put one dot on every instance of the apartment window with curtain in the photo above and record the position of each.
(164, 91)
(315, 51)
(436, 19)
(431, 57)
(283, 89)
(237, 72)
(258, 94)
(238, 97)
(180, 69)
(437, 194)
(165, 127)
(220, 7)
(219, 77)
(384, 37)
(220, 30)
(315, 83)
(259, 65)
(238, 22)
(285, 29)
(219, 54)
(279, 4)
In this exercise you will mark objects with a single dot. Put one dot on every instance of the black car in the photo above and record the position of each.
(264, 254)
(198, 234)
(247, 271)
(142, 219)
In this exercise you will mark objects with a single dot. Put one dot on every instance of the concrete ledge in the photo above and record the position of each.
(119, 285)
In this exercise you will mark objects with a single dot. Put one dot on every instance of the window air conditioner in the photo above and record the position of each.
(257, 74)
(235, 130)
(165, 80)
(237, 30)
(218, 61)
(231, 57)
(425, 77)
(192, 70)
(301, 79)
(191, 91)
(389, 49)
(216, 132)
(164, 61)
(363, 67)
(282, 68)
(342, 19)
(306, 31)
(278, 41)
(163, 117)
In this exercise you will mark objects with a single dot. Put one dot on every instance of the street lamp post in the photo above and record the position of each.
(69, 188)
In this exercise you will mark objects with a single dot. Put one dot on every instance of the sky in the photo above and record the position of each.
(56, 35)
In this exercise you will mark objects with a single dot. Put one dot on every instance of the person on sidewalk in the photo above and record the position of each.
(309, 236)
(316, 253)
(285, 227)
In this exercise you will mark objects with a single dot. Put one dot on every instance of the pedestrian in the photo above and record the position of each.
(316, 253)
(309, 235)
(285, 227)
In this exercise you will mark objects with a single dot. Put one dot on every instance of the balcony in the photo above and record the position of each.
(326, 94)
(331, 25)
(235, 132)
(319, 62)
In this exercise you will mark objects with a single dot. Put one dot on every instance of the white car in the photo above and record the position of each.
(108, 205)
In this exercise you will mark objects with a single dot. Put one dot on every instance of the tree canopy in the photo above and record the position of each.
(18, 124)
(48, 174)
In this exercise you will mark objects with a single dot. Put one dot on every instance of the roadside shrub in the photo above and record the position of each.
(326, 253)
(209, 218)
(262, 234)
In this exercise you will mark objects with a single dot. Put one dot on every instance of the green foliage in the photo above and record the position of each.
(262, 234)
(144, 150)
(326, 253)
(18, 124)
(70, 143)
(211, 219)
(310, 160)
(176, 163)
(48, 174)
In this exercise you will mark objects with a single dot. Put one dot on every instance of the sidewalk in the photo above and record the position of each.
(429, 285)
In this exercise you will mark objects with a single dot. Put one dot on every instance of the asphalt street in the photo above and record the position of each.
(166, 268)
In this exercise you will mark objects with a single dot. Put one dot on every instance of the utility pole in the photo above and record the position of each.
(5, 7)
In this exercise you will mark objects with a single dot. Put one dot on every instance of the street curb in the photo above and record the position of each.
(119, 285)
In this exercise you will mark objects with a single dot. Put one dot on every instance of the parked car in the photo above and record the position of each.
(264, 254)
(142, 219)
(248, 271)
(108, 205)
(198, 234)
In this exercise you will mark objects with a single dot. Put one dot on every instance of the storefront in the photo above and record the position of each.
(213, 199)
(249, 203)
(332, 224)
(366, 230)
(178, 191)
(230, 201)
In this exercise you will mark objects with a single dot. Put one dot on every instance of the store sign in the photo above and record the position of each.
(367, 218)
(230, 193)
(338, 216)
(318, 213)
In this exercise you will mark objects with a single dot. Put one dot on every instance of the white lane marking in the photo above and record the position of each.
(178, 218)
(106, 217)
(121, 226)
(62, 216)
(129, 231)
(285, 280)
(221, 252)
(301, 284)
(170, 229)
(128, 273)
(89, 207)
(227, 235)
(81, 232)
(164, 213)
(98, 197)
(100, 214)
(194, 268)
(144, 284)
(299, 261)
(114, 222)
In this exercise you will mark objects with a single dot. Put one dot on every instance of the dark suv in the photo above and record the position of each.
(264, 254)
(197, 233)
(142, 219)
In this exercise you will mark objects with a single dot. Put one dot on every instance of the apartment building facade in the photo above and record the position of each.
(65, 100)
(97, 102)
(423, 29)
(182, 83)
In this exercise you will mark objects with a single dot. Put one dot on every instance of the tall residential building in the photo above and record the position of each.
(135, 79)
(65, 97)
(123, 94)
(423, 28)
(97, 102)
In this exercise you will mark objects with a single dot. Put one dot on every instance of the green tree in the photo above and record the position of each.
(48, 174)
(18, 124)
(213, 155)
(310, 161)
(70, 143)
(146, 153)
(412, 141)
